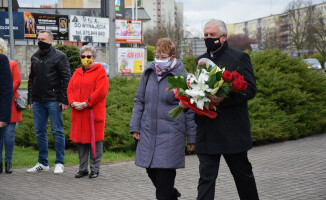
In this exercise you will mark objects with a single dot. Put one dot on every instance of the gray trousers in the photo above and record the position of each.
(84, 150)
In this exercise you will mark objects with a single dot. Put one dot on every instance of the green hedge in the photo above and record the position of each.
(119, 104)
(150, 53)
(72, 53)
(290, 103)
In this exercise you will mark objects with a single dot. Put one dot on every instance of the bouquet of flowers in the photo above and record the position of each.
(193, 90)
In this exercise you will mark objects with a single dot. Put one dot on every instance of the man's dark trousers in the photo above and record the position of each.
(240, 168)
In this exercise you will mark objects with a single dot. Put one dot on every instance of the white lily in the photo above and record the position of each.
(199, 102)
(198, 89)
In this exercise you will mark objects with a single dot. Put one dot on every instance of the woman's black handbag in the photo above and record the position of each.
(20, 104)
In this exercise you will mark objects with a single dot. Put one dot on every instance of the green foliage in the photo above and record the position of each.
(179, 82)
(150, 53)
(290, 103)
(119, 104)
(73, 54)
(318, 56)
(189, 63)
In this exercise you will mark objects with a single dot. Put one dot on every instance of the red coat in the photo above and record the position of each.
(16, 116)
(95, 84)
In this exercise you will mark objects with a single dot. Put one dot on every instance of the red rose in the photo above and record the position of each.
(227, 76)
(236, 75)
(241, 78)
(243, 85)
(237, 85)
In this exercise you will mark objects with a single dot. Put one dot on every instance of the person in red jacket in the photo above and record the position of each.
(87, 90)
(7, 135)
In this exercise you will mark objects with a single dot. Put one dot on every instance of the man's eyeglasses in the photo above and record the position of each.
(162, 57)
(88, 56)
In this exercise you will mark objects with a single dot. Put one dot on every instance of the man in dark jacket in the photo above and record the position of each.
(5, 92)
(47, 96)
(229, 133)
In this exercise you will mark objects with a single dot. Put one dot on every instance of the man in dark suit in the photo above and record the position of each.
(229, 133)
(6, 91)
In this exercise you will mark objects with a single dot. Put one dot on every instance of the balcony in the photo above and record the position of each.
(284, 33)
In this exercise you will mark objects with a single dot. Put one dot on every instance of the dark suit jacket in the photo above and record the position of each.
(6, 91)
(230, 131)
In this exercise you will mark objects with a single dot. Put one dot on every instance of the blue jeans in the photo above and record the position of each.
(7, 137)
(41, 113)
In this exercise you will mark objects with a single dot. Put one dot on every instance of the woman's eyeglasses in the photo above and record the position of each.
(162, 57)
(88, 56)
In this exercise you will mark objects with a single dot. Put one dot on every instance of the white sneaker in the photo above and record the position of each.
(38, 168)
(58, 168)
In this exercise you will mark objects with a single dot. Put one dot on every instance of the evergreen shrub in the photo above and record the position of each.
(73, 54)
(189, 63)
(119, 104)
(290, 103)
(150, 53)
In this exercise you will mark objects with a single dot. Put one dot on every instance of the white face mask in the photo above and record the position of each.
(163, 64)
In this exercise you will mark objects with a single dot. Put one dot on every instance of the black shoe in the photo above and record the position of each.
(8, 166)
(177, 192)
(93, 174)
(0, 167)
(81, 174)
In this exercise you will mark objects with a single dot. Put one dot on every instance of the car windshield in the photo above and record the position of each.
(311, 61)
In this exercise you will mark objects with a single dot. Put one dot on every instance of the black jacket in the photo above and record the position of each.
(49, 77)
(6, 91)
(230, 131)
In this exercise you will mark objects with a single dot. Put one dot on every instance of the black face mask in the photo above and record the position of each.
(43, 45)
(213, 44)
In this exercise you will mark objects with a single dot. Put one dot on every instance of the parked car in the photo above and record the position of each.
(105, 66)
(313, 63)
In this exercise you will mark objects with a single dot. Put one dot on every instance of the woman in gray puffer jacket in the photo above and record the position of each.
(161, 140)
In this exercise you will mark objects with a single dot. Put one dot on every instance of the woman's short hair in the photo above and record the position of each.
(3, 46)
(88, 48)
(165, 45)
(219, 23)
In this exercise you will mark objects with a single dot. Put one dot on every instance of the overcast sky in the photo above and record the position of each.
(197, 12)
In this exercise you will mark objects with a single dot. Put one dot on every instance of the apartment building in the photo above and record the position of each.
(275, 24)
(162, 11)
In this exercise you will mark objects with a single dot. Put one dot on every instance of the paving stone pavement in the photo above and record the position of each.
(292, 170)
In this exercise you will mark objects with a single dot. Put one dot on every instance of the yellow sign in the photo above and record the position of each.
(138, 66)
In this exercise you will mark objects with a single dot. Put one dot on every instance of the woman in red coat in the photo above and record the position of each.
(87, 90)
(7, 133)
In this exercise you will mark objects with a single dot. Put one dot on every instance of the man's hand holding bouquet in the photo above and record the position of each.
(202, 91)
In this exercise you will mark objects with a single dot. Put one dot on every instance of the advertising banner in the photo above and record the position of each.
(128, 31)
(89, 29)
(130, 60)
(18, 18)
(35, 22)
(132, 3)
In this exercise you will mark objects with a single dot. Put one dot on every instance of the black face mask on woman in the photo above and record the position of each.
(213, 44)
(43, 45)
